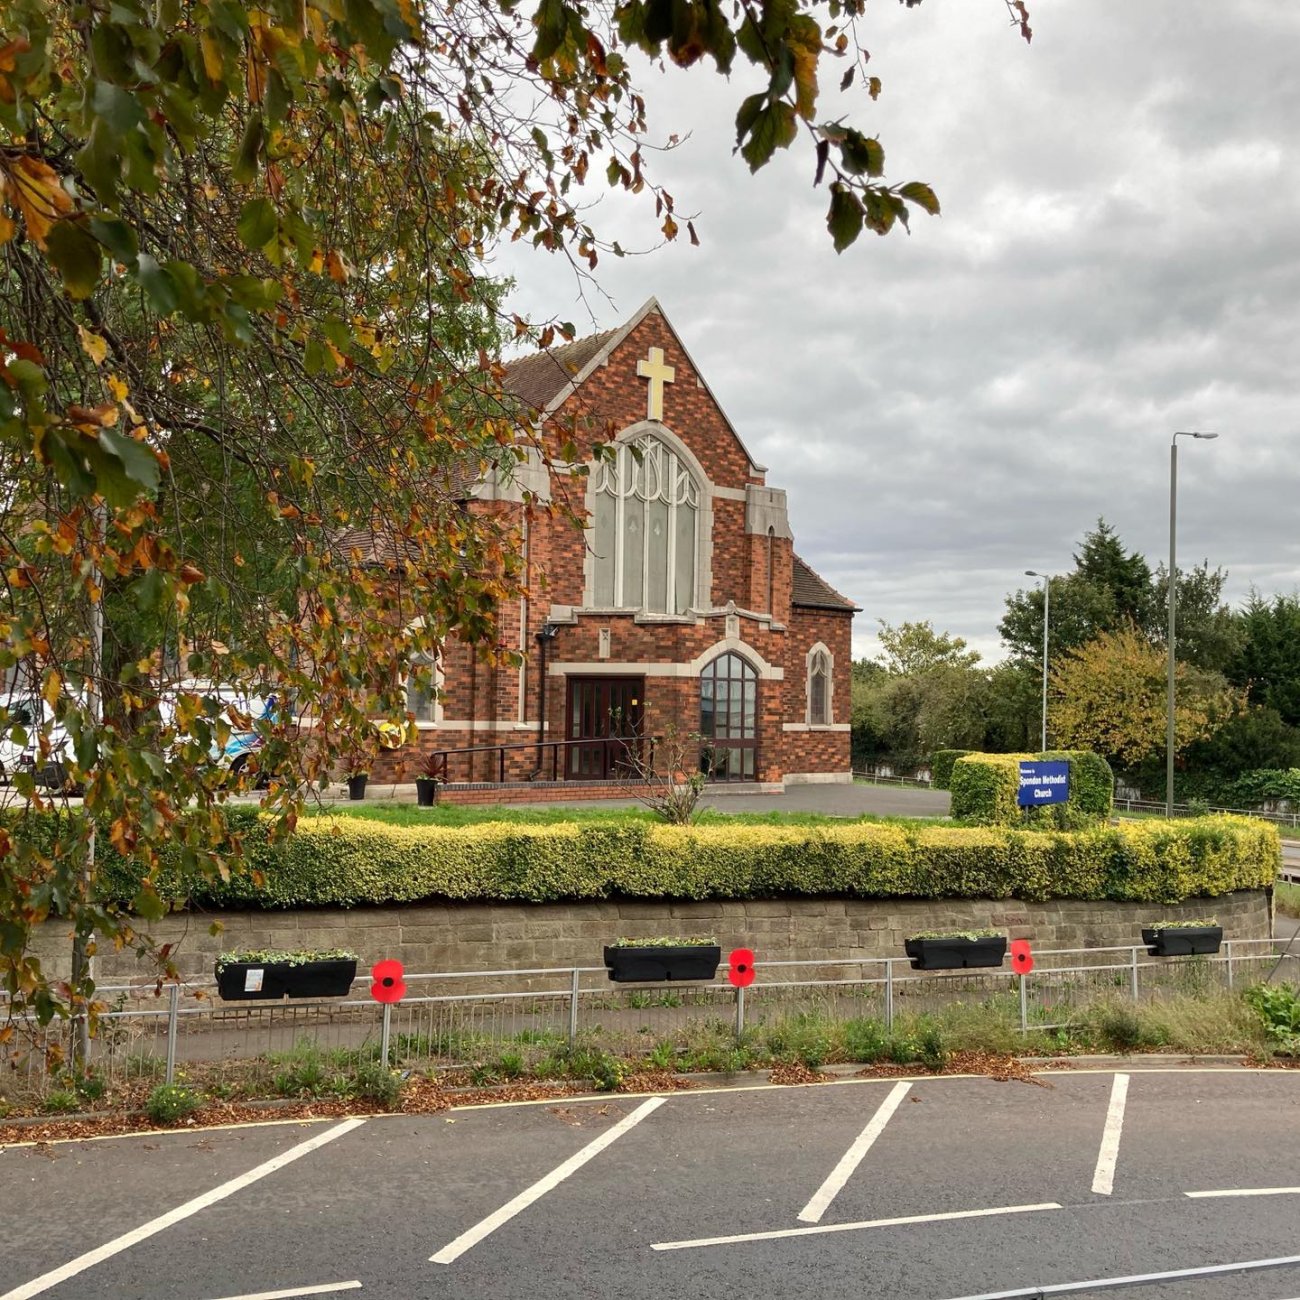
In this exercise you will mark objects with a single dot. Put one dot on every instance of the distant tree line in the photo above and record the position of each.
(1237, 724)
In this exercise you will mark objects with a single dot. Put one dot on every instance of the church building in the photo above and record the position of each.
(680, 617)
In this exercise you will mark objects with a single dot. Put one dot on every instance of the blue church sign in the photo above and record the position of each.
(1043, 783)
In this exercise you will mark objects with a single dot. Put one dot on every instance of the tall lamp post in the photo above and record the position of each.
(1047, 596)
(1173, 608)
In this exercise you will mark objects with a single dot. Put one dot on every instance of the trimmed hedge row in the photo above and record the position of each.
(941, 762)
(348, 862)
(985, 786)
(1092, 783)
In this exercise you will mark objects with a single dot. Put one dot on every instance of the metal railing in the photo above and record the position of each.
(1187, 810)
(521, 1020)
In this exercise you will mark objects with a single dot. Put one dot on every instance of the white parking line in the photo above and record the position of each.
(820, 1229)
(835, 1180)
(1103, 1179)
(455, 1249)
(1249, 1191)
(330, 1288)
(1135, 1279)
(39, 1285)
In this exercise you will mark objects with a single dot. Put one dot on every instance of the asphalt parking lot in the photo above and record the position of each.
(927, 1189)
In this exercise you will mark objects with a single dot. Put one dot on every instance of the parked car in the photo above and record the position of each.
(14, 757)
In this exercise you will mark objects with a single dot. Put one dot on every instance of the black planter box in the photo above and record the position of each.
(659, 963)
(357, 786)
(331, 978)
(1182, 940)
(426, 791)
(956, 954)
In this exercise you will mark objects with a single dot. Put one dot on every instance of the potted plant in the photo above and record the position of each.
(270, 973)
(655, 961)
(356, 767)
(955, 949)
(1182, 938)
(427, 780)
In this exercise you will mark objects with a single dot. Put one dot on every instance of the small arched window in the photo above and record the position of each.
(820, 665)
(645, 529)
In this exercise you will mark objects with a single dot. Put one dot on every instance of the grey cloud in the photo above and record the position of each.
(1117, 259)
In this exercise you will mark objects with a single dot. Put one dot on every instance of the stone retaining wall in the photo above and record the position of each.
(465, 937)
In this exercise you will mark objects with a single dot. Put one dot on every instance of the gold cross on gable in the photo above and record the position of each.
(659, 374)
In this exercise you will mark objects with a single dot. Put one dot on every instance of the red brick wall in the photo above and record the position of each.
(818, 751)
(612, 399)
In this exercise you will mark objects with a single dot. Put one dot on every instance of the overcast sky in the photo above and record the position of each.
(1118, 257)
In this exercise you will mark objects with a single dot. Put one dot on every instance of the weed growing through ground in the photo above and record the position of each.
(1278, 1006)
(375, 1082)
(170, 1102)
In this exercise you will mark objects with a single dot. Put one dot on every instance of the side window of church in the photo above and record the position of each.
(645, 526)
(420, 696)
(819, 689)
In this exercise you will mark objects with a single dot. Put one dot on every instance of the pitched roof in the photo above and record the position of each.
(545, 379)
(377, 546)
(812, 591)
(538, 379)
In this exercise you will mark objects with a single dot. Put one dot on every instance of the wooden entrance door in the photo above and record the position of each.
(606, 714)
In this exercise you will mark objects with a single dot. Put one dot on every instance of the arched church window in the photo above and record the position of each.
(819, 687)
(645, 526)
(729, 719)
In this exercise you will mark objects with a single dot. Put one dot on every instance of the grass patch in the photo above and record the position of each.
(452, 815)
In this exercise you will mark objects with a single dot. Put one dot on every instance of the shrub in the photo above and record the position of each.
(62, 1101)
(360, 861)
(941, 763)
(984, 788)
(1251, 789)
(170, 1102)
(1092, 783)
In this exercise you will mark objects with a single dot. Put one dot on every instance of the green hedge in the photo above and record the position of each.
(353, 862)
(941, 762)
(985, 786)
(1092, 783)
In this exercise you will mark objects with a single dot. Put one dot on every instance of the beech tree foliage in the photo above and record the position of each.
(243, 313)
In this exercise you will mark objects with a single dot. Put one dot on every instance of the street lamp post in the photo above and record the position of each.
(1047, 596)
(1173, 608)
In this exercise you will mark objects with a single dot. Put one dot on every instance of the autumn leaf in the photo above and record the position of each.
(35, 188)
(52, 688)
(95, 347)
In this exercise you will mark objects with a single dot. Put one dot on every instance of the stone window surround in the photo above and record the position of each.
(819, 650)
(604, 667)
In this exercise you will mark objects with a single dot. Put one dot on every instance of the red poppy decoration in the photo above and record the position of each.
(741, 972)
(387, 984)
(1022, 960)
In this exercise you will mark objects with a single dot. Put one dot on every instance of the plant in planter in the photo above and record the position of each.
(271, 973)
(1182, 938)
(427, 779)
(955, 949)
(655, 961)
(356, 768)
